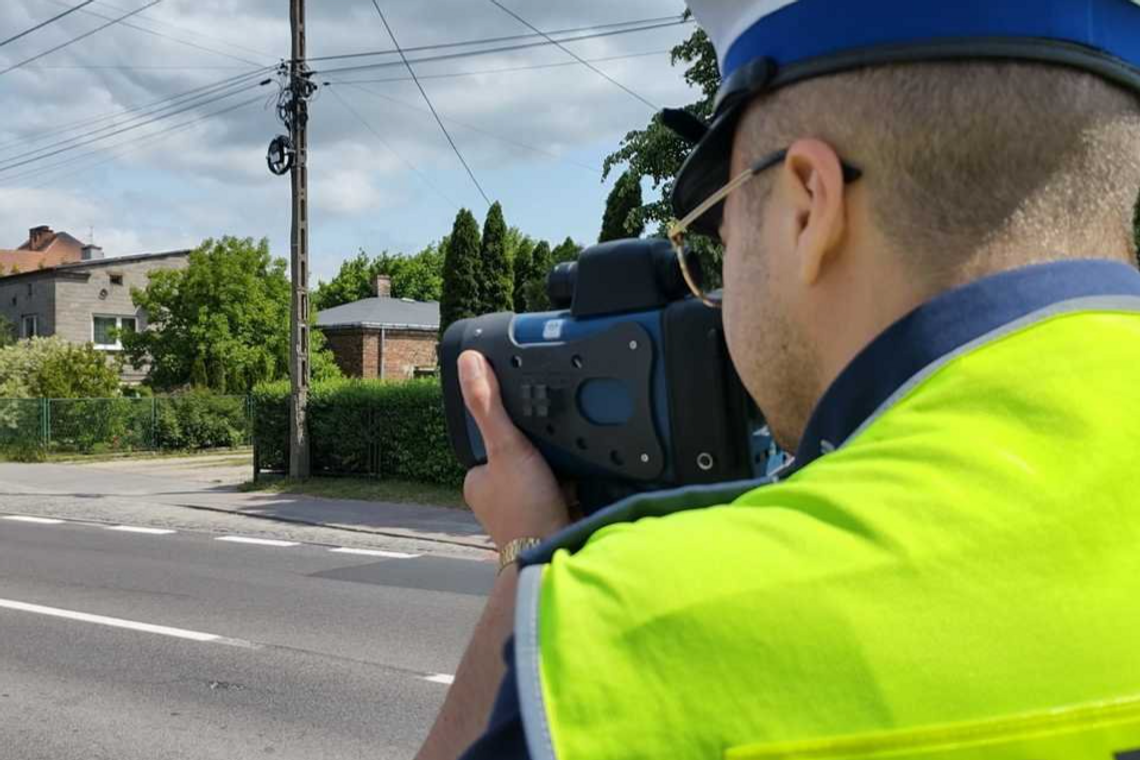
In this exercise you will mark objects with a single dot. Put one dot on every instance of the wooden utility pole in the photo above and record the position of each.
(300, 91)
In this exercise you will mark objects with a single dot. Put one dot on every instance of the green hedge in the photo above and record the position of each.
(392, 430)
(201, 420)
(21, 429)
(99, 425)
(190, 421)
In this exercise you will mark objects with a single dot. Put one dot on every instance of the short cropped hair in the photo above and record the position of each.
(974, 159)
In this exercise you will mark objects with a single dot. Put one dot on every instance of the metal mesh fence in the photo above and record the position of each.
(101, 425)
(22, 423)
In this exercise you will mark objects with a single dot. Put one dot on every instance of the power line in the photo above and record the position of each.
(191, 32)
(139, 68)
(571, 53)
(392, 150)
(80, 141)
(472, 127)
(83, 36)
(132, 146)
(152, 114)
(88, 122)
(187, 43)
(660, 20)
(423, 92)
(502, 49)
(507, 70)
(83, 142)
(657, 23)
(42, 24)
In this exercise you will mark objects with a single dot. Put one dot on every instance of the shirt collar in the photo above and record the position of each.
(942, 326)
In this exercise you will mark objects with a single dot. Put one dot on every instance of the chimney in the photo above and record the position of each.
(39, 237)
(92, 252)
(383, 286)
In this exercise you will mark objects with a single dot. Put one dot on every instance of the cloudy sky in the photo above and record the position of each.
(169, 173)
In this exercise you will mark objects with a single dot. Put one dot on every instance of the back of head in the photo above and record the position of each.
(975, 167)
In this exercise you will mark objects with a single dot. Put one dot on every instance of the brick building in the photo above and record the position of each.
(77, 294)
(44, 248)
(383, 337)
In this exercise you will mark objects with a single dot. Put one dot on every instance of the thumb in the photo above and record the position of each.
(482, 395)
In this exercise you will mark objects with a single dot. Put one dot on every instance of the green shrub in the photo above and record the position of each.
(362, 427)
(54, 368)
(270, 403)
(415, 435)
(100, 425)
(190, 421)
(200, 420)
(21, 429)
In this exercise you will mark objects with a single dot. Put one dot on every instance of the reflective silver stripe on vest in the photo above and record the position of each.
(528, 667)
(1072, 306)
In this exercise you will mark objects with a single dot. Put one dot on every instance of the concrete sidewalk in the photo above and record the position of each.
(135, 484)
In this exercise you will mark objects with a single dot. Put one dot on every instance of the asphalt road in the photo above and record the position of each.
(144, 645)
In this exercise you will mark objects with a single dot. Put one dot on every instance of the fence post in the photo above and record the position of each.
(45, 422)
(154, 423)
(252, 437)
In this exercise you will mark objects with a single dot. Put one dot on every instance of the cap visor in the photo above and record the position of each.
(705, 171)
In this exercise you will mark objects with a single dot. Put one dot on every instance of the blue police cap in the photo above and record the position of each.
(763, 45)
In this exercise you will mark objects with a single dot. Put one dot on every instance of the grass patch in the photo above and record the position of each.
(238, 455)
(362, 489)
(22, 454)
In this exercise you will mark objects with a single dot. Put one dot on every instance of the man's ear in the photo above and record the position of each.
(815, 174)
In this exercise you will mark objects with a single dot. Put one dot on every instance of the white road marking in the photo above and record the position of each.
(374, 553)
(148, 531)
(37, 520)
(161, 630)
(441, 678)
(258, 541)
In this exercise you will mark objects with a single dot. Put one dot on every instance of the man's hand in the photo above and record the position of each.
(515, 495)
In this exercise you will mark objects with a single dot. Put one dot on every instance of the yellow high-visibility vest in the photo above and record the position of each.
(958, 580)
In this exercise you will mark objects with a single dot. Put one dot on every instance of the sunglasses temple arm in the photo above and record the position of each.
(714, 199)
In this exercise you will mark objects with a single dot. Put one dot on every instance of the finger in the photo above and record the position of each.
(481, 394)
(474, 484)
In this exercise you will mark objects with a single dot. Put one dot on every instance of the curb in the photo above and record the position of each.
(337, 526)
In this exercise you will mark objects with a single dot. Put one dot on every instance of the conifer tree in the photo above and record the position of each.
(460, 297)
(567, 251)
(496, 286)
(623, 210)
(535, 288)
(523, 273)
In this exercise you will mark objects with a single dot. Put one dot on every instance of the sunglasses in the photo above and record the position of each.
(680, 228)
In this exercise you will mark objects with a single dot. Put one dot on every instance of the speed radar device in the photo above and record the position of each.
(627, 386)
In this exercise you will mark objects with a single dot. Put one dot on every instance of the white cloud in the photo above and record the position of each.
(156, 191)
(347, 192)
(20, 210)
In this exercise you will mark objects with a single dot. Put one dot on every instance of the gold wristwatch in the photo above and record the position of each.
(509, 554)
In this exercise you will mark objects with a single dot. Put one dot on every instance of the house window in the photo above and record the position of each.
(116, 279)
(107, 331)
(30, 326)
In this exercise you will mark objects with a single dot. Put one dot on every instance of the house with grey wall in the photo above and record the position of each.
(88, 301)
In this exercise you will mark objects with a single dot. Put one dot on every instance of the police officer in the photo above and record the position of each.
(931, 292)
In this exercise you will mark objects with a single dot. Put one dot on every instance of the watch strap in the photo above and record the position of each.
(509, 554)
